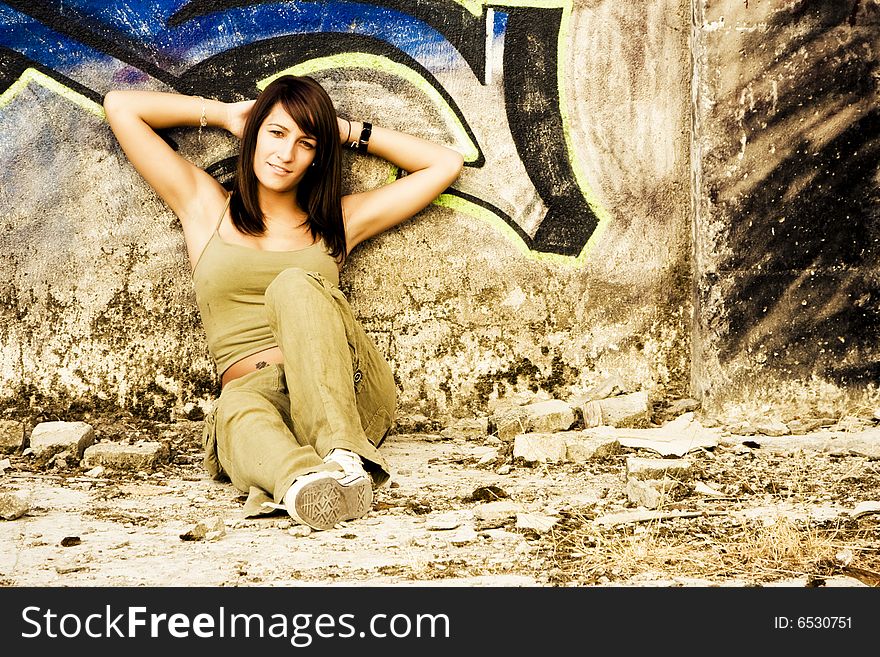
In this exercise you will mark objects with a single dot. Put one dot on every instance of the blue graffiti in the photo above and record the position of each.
(144, 25)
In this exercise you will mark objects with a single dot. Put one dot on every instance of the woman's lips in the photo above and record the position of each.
(278, 169)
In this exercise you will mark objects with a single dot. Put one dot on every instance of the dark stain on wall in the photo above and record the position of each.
(805, 237)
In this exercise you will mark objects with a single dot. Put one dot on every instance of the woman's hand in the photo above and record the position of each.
(236, 116)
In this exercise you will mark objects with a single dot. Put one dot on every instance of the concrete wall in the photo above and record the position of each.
(787, 223)
(563, 253)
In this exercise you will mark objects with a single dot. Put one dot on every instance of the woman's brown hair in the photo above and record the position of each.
(320, 191)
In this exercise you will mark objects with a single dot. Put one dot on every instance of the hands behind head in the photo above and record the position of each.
(236, 116)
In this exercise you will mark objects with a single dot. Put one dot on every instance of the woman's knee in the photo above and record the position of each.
(293, 281)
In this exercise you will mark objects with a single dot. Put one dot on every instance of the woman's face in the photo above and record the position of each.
(283, 152)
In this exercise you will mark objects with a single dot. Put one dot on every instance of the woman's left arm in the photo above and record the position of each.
(430, 168)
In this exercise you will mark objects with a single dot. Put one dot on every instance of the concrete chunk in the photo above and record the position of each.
(677, 438)
(801, 426)
(642, 468)
(551, 415)
(467, 428)
(507, 425)
(581, 446)
(141, 456)
(13, 504)
(11, 436)
(771, 427)
(622, 411)
(540, 417)
(59, 436)
(536, 522)
(495, 514)
(540, 447)
(654, 493)
(609, 386)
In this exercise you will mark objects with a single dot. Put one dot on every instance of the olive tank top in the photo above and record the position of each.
(230, 283)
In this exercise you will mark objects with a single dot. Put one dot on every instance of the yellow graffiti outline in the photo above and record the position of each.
(33, 75)
(379, 63)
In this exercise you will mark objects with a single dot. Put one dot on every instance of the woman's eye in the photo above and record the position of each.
(275, 133)
(307, 145)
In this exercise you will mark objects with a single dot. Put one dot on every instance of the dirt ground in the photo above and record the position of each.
(759, 512)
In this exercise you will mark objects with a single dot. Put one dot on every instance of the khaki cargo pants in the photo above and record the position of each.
(333, 390)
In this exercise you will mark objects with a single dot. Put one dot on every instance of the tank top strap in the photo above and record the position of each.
(223, 214)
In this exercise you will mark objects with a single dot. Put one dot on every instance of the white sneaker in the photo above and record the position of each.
(351, 463)
(322, 499)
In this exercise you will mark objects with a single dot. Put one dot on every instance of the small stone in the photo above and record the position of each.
(504, 469)
(645, 468)
(95, 472)
(535, 522)
(609, 386)
(463, 536)
(208, 529)
(13, 505)
(300, 531)
(706, 489)
(5, 464)
(654, 493)
(488, 457)
(680, 406)
(540, 417)
(800, 427)
(772, 427)
(443, 522)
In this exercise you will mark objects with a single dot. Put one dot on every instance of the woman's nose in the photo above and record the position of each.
(287, 150)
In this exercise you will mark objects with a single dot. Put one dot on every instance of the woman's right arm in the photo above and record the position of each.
(134, 116)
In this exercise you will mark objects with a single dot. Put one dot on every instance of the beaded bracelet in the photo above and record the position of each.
(203, 119)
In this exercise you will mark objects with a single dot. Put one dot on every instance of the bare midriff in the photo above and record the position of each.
(252, 363)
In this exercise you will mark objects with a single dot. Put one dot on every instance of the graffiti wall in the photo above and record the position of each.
(560, 256)
(788, 210)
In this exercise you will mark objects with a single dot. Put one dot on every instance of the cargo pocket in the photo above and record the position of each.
(209, 445)
(348, 322)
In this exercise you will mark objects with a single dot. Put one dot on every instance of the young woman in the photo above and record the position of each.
(306, 397)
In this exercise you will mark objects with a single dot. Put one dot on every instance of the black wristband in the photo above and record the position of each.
(361, 144)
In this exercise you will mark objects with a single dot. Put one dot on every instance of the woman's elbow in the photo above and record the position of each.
(115, 102)
(454, 163)
(111, 102)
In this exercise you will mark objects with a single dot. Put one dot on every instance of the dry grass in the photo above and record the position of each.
(752, 550)
(749, 551)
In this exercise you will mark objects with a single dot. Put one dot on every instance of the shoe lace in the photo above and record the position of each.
(351, 463)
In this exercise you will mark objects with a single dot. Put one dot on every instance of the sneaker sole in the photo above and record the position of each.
(322, 503)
